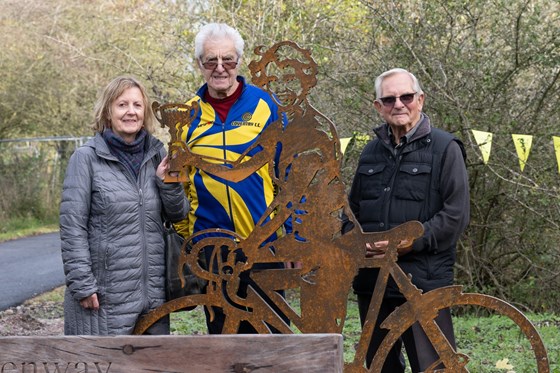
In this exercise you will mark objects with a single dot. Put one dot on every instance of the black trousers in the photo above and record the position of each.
(419, 349)
(217, 324)
(160, 327)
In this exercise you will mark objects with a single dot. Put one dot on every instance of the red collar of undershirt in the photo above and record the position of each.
(222, 105)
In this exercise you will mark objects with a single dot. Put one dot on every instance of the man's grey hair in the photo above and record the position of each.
(415, 84)
(217, 30)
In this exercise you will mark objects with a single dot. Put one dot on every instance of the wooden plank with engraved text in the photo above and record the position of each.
(216, 353)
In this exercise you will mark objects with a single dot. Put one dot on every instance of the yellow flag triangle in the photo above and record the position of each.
(523, 147)
(344, 144)
(484, 142)
(557, 150)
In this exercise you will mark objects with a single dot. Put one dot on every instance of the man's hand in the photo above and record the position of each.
(294, 265)
(404, 247)
(377, 250)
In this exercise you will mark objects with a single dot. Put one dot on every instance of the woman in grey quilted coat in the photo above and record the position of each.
(111, 227)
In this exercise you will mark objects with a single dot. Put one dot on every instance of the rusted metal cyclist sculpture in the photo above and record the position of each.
(304, 160)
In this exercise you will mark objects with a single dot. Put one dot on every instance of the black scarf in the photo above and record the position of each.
(131, 155)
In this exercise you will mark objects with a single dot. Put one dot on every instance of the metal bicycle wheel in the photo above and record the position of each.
(402, 318)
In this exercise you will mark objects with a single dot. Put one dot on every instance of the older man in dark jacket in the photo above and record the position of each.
(411, 171)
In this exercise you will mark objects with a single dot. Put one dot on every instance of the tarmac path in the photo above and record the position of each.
(28, 267)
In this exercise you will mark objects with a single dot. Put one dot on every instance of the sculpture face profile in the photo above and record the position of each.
(304, 159)
(288, 77)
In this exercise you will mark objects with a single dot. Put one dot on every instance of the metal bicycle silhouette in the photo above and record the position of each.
(304, 162)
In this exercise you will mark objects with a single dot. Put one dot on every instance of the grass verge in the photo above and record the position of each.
(24, 227)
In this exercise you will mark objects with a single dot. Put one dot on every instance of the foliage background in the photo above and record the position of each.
(484, 65)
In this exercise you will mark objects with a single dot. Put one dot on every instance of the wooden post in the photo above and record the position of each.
(321, 353)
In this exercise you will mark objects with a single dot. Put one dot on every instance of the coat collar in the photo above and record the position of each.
(102, 149)
(423, 129)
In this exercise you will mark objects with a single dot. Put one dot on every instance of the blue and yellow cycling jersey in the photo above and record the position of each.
(219, 203)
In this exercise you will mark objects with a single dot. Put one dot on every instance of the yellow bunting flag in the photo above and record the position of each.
(523, 147)
(344, 144)
(484, 142)
(557, 150)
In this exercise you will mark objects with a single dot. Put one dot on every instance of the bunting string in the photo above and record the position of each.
(483, 139)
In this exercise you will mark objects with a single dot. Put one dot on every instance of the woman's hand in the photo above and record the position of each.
(162, 168)
(90, 302)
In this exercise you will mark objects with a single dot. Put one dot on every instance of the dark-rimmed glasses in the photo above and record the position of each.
(389, 101)
(211, 65)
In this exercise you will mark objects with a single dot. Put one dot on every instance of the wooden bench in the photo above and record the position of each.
(321, 353)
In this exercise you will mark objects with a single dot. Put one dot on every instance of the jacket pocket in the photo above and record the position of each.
(106, 267)
(371, 180)
(413, 181)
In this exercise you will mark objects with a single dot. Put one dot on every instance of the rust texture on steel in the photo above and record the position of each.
(310, 193)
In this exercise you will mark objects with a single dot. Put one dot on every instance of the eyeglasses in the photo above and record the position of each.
(211, 65)
(406, 99)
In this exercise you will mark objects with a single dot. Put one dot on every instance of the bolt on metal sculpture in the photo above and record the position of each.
(304, 162)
